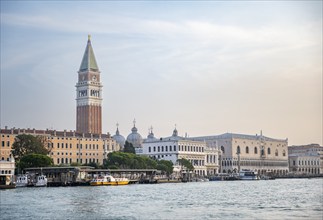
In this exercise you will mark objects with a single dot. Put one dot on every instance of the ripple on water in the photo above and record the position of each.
(275, 199)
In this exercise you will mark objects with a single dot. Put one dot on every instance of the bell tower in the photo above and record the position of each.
(89, 94)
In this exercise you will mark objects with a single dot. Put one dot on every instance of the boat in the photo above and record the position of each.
(22, 181)
(41, 180)
(247, 174)
(108, 180)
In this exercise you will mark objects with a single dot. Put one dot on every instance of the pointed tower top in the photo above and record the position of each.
(88, 61)
(117, 131)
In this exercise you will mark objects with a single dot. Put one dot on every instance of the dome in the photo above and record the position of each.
(151, 136)
(135, 138)
(119, 138)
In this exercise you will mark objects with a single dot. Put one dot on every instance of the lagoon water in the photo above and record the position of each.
(271, 199)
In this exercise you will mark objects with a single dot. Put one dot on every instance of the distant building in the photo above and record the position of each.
(257, 152)
(306, 159)
(7, 166)
(7, 171)
(203, 158)
(67, 146)
(89, 94)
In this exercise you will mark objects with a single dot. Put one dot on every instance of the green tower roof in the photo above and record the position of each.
(88, 61)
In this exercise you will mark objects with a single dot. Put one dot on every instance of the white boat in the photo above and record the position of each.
(22, 181)
(247, 174)
(41, 181)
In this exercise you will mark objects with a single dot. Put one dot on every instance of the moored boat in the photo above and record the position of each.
(247, 174)
(41, 180)
(22, 181)
(108, 180)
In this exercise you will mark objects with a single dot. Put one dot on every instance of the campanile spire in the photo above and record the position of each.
(89, 94)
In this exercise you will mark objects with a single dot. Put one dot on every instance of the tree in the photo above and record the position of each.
(92, 164)
(128, 148)
(35, 160)
(28, 144)
(184, 162)
(165, 166)
(121, 160)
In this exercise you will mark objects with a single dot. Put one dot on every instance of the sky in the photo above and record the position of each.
(208, 67)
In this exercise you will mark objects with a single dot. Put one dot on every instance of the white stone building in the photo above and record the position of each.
(257, 152)
(205, 160)
(306, 159)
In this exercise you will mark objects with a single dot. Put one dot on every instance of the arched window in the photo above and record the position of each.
(268, 150)
(247, 150)
(149, 149)
(256, 150)
(238, 150)
(154, 149)
(162, 148)
(284, 153)
(276, 153)
(158, 149)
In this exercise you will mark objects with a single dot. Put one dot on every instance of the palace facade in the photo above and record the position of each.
(66, 146)
(256, 152)
(306, 159)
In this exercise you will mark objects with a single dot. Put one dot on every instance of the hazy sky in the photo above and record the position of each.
(210, 67)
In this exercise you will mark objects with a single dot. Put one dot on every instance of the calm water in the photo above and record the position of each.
(272, 199)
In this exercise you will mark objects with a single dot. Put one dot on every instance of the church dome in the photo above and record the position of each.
(151, 136)
(119, 138)
(134, 137)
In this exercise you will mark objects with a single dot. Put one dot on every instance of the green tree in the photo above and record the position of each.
(35, 160)
(28, 144)
(128, 148)
(165, 166)
(184, 162)
(92, 164)
(123, 160)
